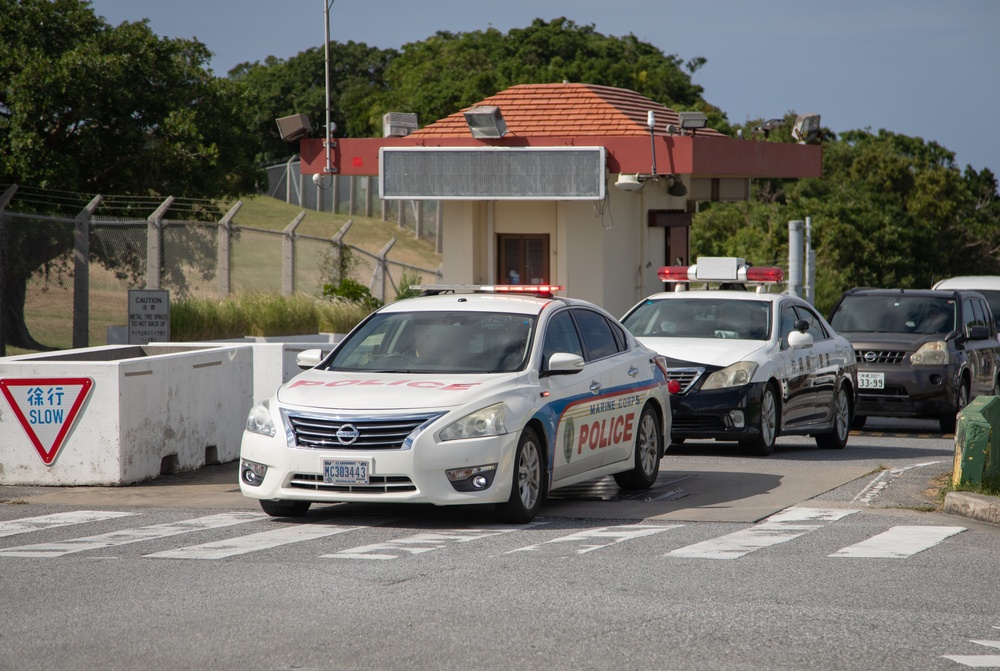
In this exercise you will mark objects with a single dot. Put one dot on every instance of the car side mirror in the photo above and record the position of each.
(309, 358)
(799, 340)
(979, 333)
(564, 363)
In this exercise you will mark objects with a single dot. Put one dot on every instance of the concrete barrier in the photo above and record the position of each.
(977, 442)
(274, 358)
(118, 415)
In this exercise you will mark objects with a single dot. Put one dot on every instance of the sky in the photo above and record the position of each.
(922, 68)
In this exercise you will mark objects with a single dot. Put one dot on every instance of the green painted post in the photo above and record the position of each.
(977, 442)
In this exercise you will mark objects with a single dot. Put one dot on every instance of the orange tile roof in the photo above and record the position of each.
(565, 110)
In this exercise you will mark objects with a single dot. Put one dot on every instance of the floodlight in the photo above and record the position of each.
(486, 121)
(294, 127)
(692, 120)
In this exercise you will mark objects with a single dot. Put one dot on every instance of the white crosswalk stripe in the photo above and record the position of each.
(979, 661)
(899, 542)
(596, 539)
(23, 526)
(254, 542)
(779, 528)
(419, 543)
(125, 536)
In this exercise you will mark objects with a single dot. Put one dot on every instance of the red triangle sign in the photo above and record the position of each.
(47, 408)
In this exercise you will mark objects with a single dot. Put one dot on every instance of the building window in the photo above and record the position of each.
(524, 259)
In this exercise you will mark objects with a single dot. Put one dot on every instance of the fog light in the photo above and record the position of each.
(737, 419)
(473, 478)
(252, 473)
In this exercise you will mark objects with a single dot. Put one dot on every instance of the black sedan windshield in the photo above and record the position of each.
(700, 318)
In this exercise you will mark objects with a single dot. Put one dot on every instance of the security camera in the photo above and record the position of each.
(317, 179)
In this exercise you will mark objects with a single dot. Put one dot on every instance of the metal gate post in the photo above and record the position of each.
(224, 251)
(288, 256)
(154, 244)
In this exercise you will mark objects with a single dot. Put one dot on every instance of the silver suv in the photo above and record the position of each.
(920, 353)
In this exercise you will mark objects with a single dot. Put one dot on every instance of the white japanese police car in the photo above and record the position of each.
(462, 397)
(751, 365)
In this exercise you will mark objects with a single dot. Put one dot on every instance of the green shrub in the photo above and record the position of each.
(261, 315)
(353, 292)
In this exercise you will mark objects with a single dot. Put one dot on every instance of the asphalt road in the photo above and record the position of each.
(805, 559)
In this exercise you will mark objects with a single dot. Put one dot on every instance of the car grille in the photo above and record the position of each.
(891, 357)
(686, 377)
(388, 484)
(368, 433)
(682, 423)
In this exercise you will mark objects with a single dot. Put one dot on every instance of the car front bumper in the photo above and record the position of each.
(414, 475)
(910, 391)
(715, 413)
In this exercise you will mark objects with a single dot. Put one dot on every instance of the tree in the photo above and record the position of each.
(92, 108)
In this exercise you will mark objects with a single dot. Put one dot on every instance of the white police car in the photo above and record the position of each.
(751, 365)
(462, 397)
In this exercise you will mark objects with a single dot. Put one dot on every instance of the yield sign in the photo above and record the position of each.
(46, 408)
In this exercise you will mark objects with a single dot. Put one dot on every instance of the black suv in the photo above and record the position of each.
(920, 353)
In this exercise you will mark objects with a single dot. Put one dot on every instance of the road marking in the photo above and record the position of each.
(125, 536)
(28, 524)
(899, 542)
(978, 661)
(253, 542)
(585, 539)
(421, 543)
(782, 527)
(883, 480)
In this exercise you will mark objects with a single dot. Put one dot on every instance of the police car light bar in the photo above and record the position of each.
(724, 269)
(544, 290)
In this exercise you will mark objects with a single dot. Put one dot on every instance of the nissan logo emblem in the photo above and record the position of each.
(870, 357)
(347, 434)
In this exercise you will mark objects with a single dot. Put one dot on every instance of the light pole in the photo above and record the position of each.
(326, 45)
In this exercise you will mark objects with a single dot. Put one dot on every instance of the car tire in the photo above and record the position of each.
(767, 429)
(285, 508)
(646, 454)
(947, 422)
(836, 438)
(526, 490)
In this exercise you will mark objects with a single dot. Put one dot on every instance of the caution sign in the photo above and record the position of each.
(47, 408)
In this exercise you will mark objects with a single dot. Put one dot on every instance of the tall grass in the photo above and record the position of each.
(260, 315)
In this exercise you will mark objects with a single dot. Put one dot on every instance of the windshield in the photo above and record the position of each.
(701, 318)
(437, 342)
(894, 313)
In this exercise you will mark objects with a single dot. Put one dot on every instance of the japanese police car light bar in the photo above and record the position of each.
(537, 289)
(721, 269)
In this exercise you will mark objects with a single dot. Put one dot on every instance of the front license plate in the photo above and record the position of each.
(340, 472)
(871, 380)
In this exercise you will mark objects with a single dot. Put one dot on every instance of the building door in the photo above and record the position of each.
(524, 259)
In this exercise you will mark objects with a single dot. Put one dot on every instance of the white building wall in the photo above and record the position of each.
(601, 252)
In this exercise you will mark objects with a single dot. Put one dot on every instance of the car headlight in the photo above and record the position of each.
(931, 354)
(736, 375)
(259, 420)
(485, 422)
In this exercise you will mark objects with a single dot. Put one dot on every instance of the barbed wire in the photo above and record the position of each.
(71, 202)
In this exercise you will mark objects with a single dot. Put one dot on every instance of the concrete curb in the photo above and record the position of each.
(974, 506)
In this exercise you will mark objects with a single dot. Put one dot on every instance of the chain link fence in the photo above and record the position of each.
(64, 279)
